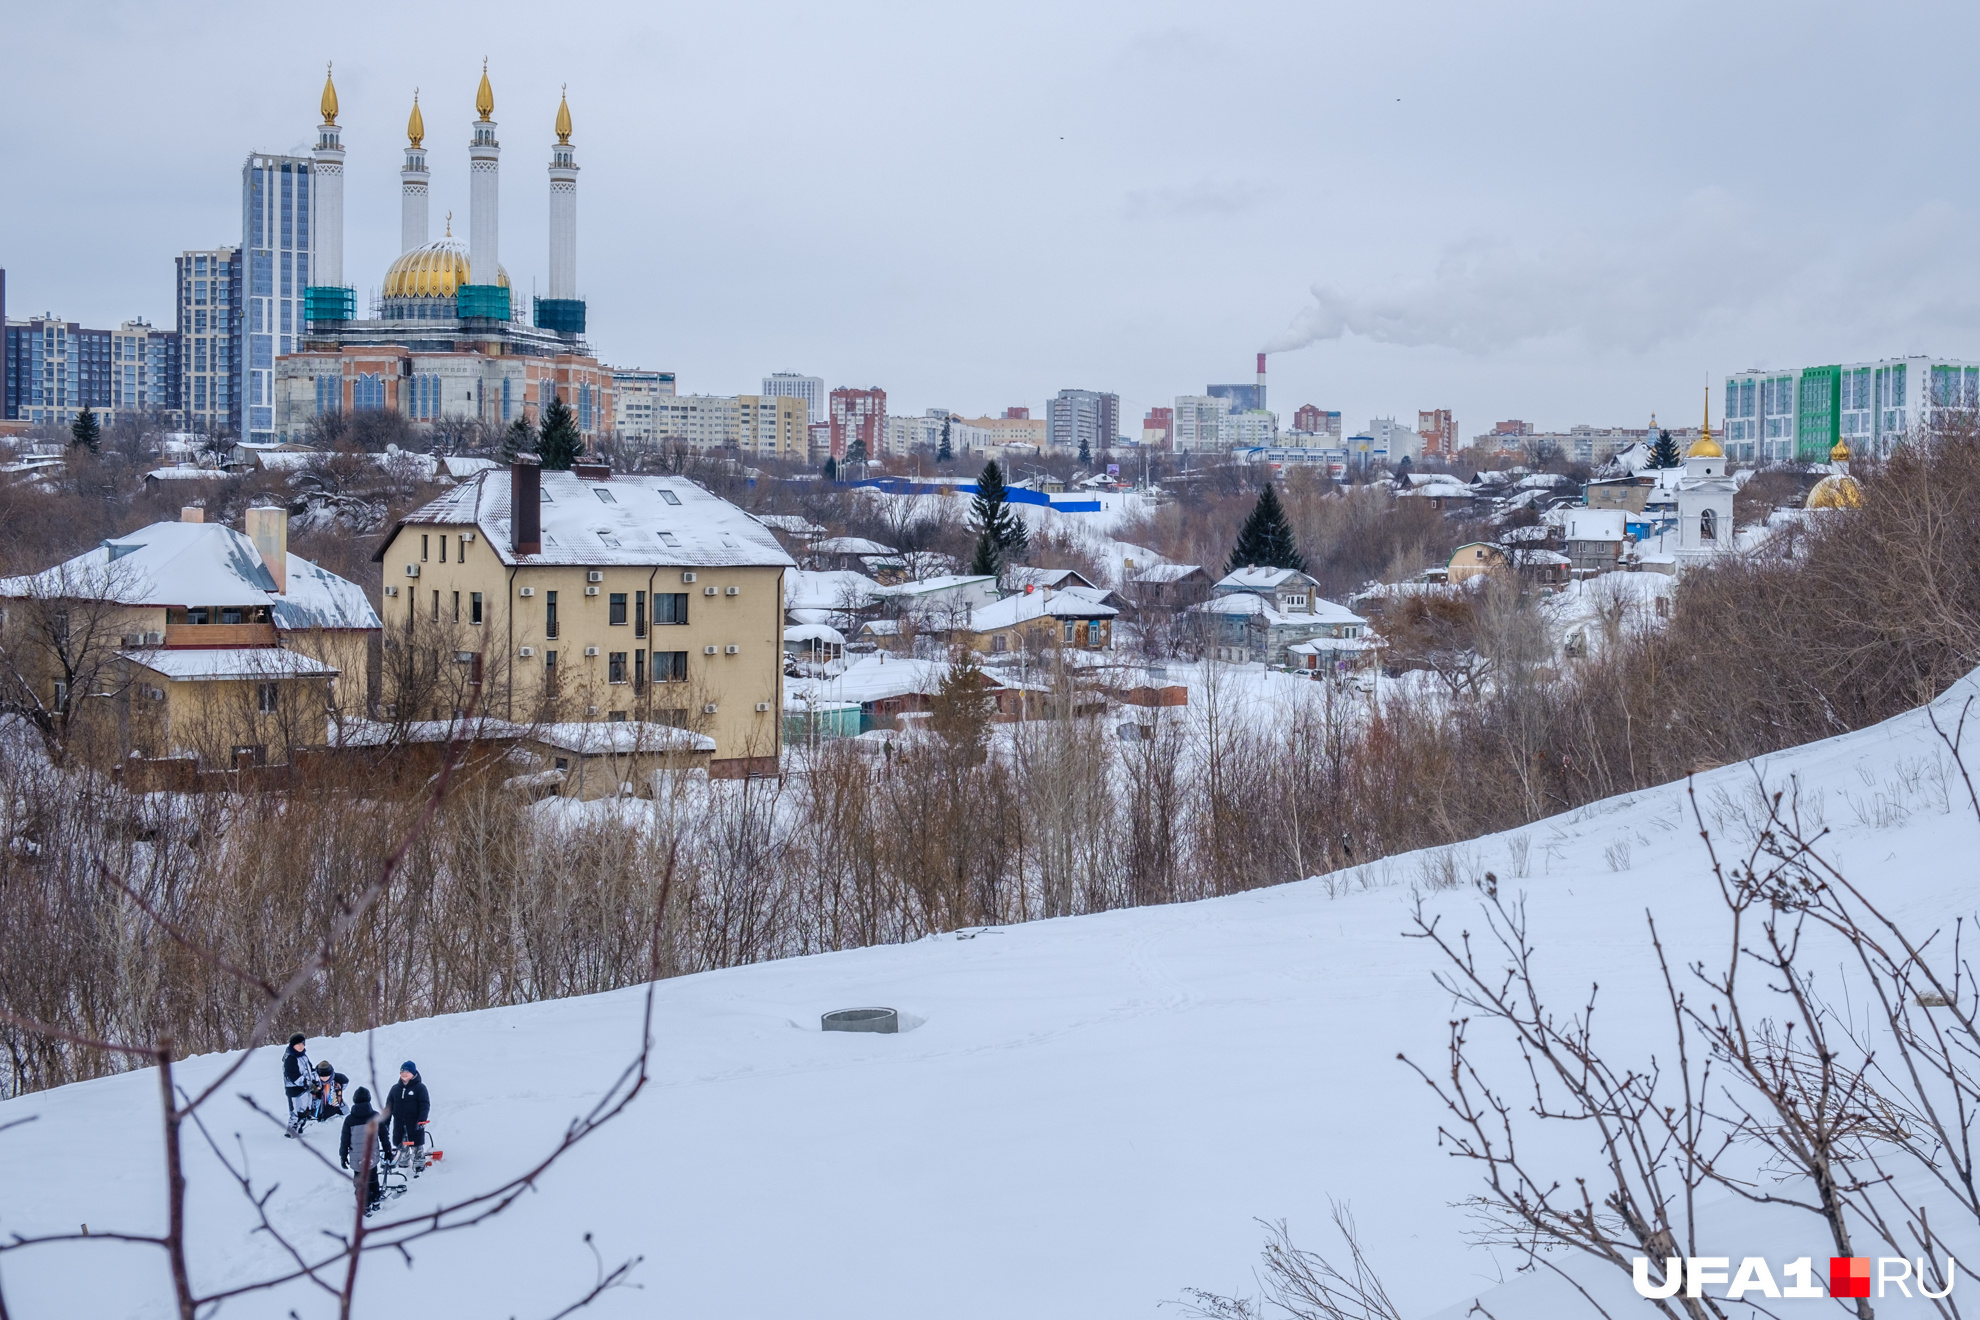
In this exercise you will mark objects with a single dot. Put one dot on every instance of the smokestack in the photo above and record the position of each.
(268, 528)
(1261, 382)
(526, 507)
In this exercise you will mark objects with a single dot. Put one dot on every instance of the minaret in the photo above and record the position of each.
(412, 186)
(484, 189)
(562, 311)
(563, 208)
(327, 227)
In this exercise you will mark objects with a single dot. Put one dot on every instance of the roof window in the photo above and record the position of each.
(604, 496)
(669, 497)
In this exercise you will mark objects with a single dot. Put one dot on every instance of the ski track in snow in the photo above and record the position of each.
(1087, 1120)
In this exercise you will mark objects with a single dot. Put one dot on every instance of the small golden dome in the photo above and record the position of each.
(436, 270)
(1705, 446)
(484, 95)
(1840, 454)
(1836, 492)
(416, 125)
(329, 105)
(564, 121)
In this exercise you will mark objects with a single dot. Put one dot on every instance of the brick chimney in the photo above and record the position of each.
(268, 528)
(192, 513)
(526, 507)
(592, 471)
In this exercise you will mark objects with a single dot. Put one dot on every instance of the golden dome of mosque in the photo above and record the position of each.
(1705, 446)
(436, 270)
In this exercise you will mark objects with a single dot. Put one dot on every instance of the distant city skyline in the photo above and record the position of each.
(1587, 268)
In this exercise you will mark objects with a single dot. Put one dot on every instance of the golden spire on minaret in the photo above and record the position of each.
(564, 116)
(415, 126)
(484, 95)
(450, 224)
(329, 106)
(1705, 446)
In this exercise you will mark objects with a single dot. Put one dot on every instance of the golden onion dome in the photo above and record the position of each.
(436, 270)
(1836, 492)
(484, 95)
(416, 125)
(1705, 446)
(564, 121)
(1840, 454)
(329, 103)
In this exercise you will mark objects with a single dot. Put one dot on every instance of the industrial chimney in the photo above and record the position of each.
(1261, 382)
(526, 507)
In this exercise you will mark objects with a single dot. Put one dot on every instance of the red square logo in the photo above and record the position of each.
(1849, 1276)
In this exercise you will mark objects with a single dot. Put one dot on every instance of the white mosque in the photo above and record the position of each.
(448, 338)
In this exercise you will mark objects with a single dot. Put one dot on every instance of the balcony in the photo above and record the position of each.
(219, 634)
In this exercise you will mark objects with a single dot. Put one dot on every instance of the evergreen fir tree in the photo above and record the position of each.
(831, 469)
(1664, 453)
(856, 451)
(943, 452)
(1402, 473)
(1085, 453)
(1266, 540)
(1000, 534)
(518, 438)
(985, 562)
(86, 432)
(559, 443)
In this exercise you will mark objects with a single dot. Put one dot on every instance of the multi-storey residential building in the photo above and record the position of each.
(773, 426)
(818, 441)
(1198, 419)
(1439, 431)
(1396, 439)
(1309, 419)
(1247, 430)
(642, 600)
(905, 434)
(1799, 414)
(58, 369)
(809, 388)
(145, 371)
(208, 302)
(6, 355)
(1158, 428)
(275, 266)
(859, 415)
(633, 396)
(699, 421)
(1016, 427)
(1088, 417)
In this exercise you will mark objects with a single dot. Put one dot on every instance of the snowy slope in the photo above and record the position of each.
(1087, 1121)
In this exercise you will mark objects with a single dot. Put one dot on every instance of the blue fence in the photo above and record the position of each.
(902, 486)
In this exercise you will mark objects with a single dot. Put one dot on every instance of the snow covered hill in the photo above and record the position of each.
(1087, 1119)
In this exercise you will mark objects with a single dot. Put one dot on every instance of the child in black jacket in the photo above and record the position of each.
(354, 1123)
(408, 1104)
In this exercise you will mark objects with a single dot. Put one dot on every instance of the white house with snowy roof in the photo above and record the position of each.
(1255, 613)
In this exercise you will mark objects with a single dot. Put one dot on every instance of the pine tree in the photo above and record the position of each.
(986, 562)
(1085, 453)
(943, 452)
(1664, 453)
(960, 708)
(86, 432)
(1402, 473)
(1267, 538)
(559, 442)
(831, 468)
(518, 438)
(1000, 534)
(856, 451)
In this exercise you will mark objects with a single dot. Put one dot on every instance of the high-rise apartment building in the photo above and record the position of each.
(275, 258)
(634, 394)
(1197, 420)
(773, 426)
(1439, 431)
(208, 301)
(1309, 419)
(859, 415)
(58, 369)
(809, 388)
(145, 373)
(1158, 428)
(1798, 415)
(1083, 416)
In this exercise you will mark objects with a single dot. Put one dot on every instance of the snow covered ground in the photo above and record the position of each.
(1086, 1121)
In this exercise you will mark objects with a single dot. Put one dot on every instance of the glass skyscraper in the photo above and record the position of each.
(275, 268)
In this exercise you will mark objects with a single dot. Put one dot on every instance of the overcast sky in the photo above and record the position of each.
(1559, 212)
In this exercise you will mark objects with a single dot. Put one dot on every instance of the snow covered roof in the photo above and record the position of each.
(815, 632)
(1258, 578)
(378, 733)
(607, 737)
(1023, 607)
(1025, 576)
(794, 523)
(872, 678)
(929, 586)
(851, 545)
(194, 664)
(1328, 645)
(181, 563)
(805, 589)
(187, 472)
(1324, 611)
(460, 465)
(1166, 572)
(628, 520)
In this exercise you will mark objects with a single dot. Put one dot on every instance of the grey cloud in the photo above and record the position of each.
(1204, 198)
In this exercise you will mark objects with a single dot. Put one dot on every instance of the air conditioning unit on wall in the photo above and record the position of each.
(591, 591)
(412, 570)
(527, 591)
(594, 576)
(591, 650)
(708, 650)
(687, 577)
(762, 706)
(733, 591)
(731, 650)
(708, 591)
(526, 652)
(709, 709)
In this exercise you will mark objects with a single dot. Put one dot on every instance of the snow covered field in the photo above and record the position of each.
(1087, 1120)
